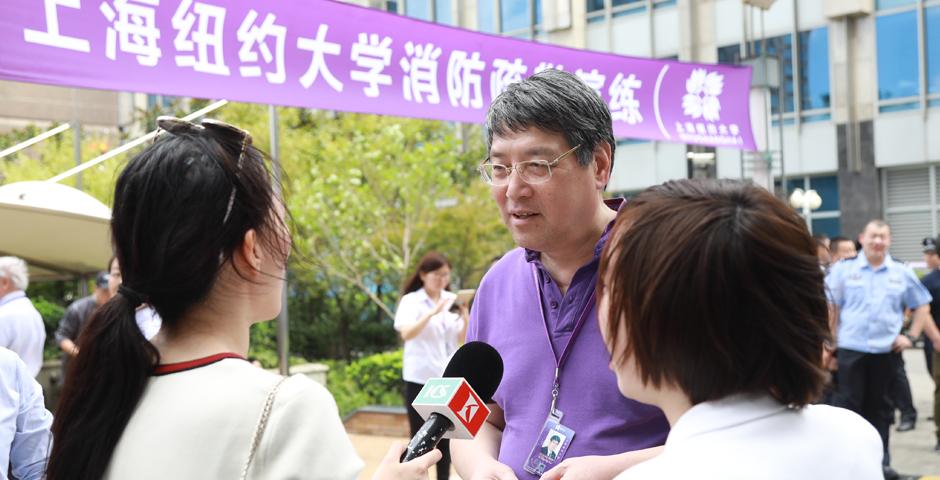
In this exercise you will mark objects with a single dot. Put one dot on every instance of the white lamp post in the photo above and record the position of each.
(806, 201)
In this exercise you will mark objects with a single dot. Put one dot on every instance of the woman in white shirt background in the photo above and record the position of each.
(431, 333)
(199, 231)
(712, 304)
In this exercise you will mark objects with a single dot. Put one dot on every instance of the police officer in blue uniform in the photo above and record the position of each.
(868, 296)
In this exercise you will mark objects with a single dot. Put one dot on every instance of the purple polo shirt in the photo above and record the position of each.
(506, 315)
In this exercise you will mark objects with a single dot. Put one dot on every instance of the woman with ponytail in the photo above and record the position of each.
(199, 231)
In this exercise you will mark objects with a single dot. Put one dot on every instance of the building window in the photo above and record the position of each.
(932, 31)
(418, 9)
(486, 16)
(598, 10)
(908, 49)
(513, 18)
(518, 15)
(730, 54)
(814, 69)
(888, 4)
(422, 9)
(897, 56)
(443, 12)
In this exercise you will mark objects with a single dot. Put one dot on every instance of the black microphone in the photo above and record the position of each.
(455, 405)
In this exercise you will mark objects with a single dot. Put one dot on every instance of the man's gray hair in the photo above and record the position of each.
(554, 101)
(15, 269)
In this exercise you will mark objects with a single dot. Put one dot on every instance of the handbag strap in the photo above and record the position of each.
(259, 429)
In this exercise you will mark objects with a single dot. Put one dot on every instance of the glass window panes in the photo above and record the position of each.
(617, 3)
(781, 47)
(885, 4)
(897, 55)
(814, 69)
(515, 15)
(391, 6)
(595, 5)
(418, 9)
(486, 18)
(442, 12)
(730, 54)
(828, 189)
(932, 17)
(831, 227)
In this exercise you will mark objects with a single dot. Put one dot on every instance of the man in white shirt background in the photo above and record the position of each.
(21, 327)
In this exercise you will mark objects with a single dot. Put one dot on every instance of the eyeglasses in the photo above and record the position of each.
(177, 126)
(532, 172)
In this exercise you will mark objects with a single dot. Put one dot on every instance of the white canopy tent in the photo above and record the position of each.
(61, 232)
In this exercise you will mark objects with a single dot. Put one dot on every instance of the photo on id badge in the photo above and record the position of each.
(550, 448)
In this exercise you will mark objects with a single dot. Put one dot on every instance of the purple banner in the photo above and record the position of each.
(330, 55)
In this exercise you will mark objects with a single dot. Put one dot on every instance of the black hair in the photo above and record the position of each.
(430, 262)
(172, 232)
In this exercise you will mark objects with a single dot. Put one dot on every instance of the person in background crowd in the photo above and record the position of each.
(75, 318)
(198, 229)
(147, 318)
(550, 148)
(738, 393)
(931, 282)
(431, 334)
(842, 248)
(24, 421)
(21, 327)
(823, 255)
(868, 296)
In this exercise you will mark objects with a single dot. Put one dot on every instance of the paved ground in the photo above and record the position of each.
(912, 452)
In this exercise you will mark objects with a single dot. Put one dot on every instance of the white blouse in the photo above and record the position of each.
(198, 424)
(426, 355)
(755, 437)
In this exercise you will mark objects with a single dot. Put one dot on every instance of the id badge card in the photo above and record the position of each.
(550, 446)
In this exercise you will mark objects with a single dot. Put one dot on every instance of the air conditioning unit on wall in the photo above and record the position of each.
(762, 4)
(848, 8)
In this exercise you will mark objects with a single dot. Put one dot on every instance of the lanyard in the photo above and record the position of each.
(560, 361)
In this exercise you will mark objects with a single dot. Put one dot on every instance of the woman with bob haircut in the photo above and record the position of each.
(713, 307)
(199, 231)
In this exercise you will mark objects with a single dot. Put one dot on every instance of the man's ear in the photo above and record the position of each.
(602, 161)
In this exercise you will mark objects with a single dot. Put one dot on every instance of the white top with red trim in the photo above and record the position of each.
(196, 420)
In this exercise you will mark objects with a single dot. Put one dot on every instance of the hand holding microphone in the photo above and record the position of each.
(455, 405)
(417, 469)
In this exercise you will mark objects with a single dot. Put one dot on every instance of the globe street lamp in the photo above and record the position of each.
(805, 201)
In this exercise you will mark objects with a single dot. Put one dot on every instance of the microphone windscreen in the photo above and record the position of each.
(479, 364)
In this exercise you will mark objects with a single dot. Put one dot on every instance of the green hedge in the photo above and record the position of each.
(372, 380)
(51, 313)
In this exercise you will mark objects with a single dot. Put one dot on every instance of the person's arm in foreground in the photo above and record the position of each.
(599, 467)
(477, 459)
(32, 440)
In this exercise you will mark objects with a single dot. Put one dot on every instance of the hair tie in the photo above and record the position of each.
(135, 298)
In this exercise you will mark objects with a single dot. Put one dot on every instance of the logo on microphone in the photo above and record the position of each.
(470, 407)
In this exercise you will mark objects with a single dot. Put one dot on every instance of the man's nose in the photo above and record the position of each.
(516, 186)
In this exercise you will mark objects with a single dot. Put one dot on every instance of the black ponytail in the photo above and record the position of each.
(181, 207)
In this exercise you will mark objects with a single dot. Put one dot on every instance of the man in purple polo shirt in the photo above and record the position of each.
(551, 149)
